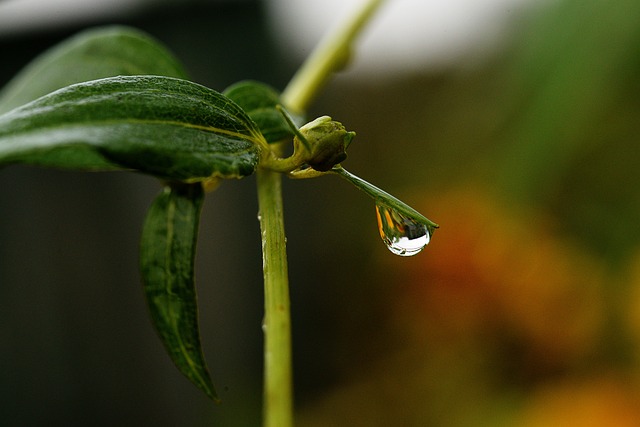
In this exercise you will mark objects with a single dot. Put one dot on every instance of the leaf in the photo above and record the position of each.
(259, 101)
(90, 55)
(167, 254)
(383, 198)
(167, 127)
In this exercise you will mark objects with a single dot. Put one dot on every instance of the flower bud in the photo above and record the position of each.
(328, 141)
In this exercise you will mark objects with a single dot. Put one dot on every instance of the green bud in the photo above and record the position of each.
(327, 140)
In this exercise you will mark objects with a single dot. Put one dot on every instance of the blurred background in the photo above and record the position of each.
(514, 124)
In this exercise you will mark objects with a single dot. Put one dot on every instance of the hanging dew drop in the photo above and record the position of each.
(402, 235)
(404, 230)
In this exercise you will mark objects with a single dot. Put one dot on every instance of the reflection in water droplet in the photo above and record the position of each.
(403, 236)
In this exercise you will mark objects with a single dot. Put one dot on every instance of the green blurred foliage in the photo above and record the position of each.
(523, 311)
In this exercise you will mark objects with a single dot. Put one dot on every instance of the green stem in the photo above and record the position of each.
(305, 85)
(278, 394)
(331, 55)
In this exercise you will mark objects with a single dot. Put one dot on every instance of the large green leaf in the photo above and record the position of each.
(259, 101)
(167, 253)
(90, 55)
(168, 127)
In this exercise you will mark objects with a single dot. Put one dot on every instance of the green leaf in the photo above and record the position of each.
(383, 198)
(167, 254)
(167, 127)
(259, 101)
(90, 55)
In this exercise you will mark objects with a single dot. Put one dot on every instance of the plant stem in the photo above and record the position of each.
(278, 393)
(327, 58)
(331, 55)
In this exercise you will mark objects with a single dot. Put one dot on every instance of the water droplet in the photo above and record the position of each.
(402, 235)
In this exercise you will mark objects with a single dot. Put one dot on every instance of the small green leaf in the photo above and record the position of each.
(167, 254)
(90, 55)
(383, 198)
(259, 101)
(167, 127)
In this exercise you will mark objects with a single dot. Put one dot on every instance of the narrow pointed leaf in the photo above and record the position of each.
(167, 253)
(383, 198)
(167, 127)
(90, 55)
(259, 101)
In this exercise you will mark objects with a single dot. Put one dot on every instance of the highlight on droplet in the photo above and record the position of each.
(402, 235)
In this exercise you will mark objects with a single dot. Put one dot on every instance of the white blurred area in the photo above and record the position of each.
(19, 16)
(405, 35)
